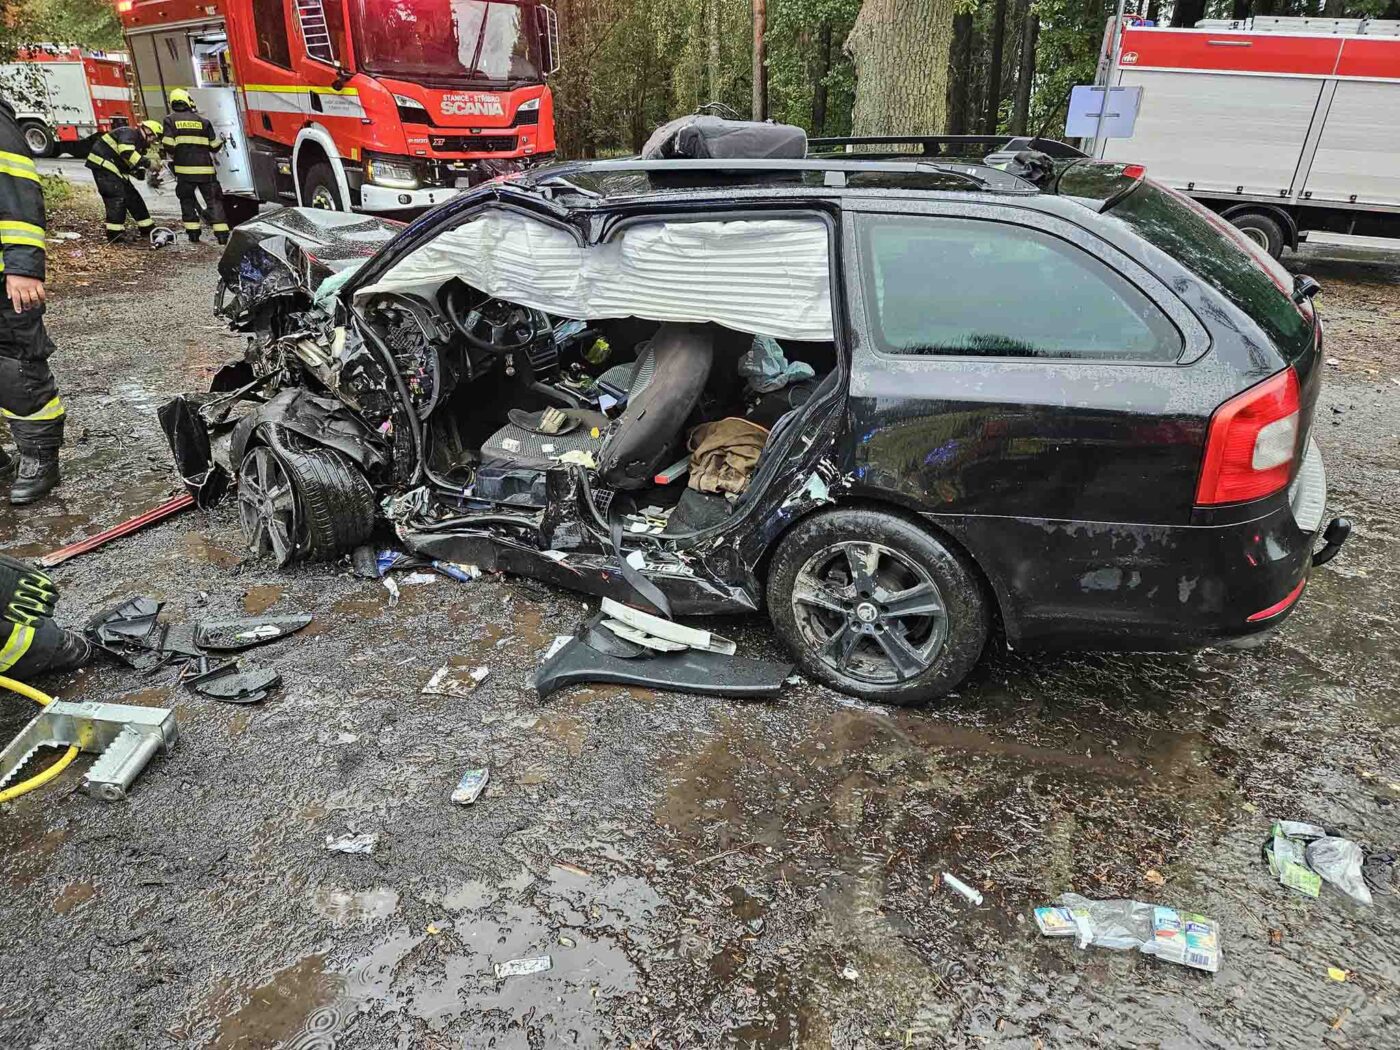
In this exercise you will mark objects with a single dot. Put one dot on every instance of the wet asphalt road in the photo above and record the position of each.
(702, 872)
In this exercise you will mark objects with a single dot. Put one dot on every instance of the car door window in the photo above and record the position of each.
(270, 28)
(974, 287)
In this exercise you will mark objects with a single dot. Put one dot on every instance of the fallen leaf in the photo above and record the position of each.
(1336, 973)
(1153, 877)
(1276, 938)
(1341, 1018)
(433, 931)
(1249, 807)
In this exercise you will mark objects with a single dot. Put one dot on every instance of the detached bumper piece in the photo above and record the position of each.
(123, 737)
(598, 654)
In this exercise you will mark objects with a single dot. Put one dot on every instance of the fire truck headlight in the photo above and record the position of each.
(411, 110)
(394, 174)
(528, 105)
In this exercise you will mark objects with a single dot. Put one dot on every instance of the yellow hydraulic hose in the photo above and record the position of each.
(38, 781)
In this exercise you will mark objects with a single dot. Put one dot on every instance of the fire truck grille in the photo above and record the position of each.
(473, 143)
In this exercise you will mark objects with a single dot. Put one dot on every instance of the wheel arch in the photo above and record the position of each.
(314, 145)
(996, 594)
(307, 417)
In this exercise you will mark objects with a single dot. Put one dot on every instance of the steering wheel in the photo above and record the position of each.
(496, 326)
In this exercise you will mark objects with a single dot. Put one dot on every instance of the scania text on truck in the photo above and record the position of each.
(365, 105)
(1281, 125)
(62, 95)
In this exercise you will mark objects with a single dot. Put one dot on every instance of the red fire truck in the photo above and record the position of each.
(62, 95)
(1282, 125)
(366, 105)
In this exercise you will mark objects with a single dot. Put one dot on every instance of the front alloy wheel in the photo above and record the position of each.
(267, 506)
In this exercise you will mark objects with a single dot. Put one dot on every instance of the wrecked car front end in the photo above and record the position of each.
(410, 376)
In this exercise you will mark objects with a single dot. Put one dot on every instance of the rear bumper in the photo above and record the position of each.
(1099, 585)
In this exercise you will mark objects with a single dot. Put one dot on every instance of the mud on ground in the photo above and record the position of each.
(702, 872)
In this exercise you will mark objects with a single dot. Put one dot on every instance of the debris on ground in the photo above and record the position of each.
(962, 887)
(1184, 938)
(351, 843)
(448, 680)
(131, 632)
(181, 502)
(1303, 856)
(622, 646)
(470, 787)
(1337, 973)
(523, 967)
(849, 973)
(392, 587)
(371, 564)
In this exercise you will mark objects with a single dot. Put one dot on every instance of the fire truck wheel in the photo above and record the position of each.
(1263, 230)
(319, 190)
(38, 138)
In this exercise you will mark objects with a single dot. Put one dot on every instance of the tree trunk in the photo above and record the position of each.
(989, 121)
(900, 49)
(760, 65)
(1187, 13)
(1334, 8)
(960, 74)
(1025, 76)
(712, 32)
(1154, 11)
(820, 70)
(1241, 9)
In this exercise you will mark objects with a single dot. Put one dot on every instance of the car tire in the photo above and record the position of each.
(1263, 230)
(332, 508)
(932, 653)
(38, 139)
(320, 190)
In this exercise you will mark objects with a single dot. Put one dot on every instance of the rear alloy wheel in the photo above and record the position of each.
(872, 604)
(301, 502)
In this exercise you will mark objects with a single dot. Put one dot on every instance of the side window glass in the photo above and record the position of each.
(323, 29)
(270, 28)
(971, 287)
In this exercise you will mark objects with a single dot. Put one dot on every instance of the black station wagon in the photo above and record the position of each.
(900, 393)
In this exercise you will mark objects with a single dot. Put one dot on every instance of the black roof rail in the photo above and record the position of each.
(976, 174)
(950, 145)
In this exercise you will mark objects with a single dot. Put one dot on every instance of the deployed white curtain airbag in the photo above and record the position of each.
(766, 276)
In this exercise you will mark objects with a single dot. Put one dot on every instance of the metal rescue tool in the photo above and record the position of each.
(122, 736)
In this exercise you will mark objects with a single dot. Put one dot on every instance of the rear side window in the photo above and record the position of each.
(1207, 246)
(270, 27)
(973, 287)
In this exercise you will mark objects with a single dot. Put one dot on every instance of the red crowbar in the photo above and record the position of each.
(126, 528)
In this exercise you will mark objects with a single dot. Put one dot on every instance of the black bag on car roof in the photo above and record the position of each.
(704, 137)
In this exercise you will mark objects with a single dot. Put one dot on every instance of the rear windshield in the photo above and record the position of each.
(1210, 248)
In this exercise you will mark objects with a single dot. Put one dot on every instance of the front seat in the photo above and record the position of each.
(644, 438)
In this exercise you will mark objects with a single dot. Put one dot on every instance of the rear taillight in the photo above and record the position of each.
(1251, 444)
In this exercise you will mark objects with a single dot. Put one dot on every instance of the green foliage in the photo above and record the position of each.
(57, 189)
(87, 23)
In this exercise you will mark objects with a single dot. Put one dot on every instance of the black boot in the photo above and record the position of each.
(38, 474)
(7, 464)
(75, 652)
(193, 235)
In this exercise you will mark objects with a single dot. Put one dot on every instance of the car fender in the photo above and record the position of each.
(319, 420)
(318, 134)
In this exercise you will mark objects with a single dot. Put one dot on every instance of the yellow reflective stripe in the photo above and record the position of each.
(17, 172)
(189, 140)
(191, 225)
(187, 169)
(103, 162)
(16, 646)
(18, 160)
(115, 225)
(53, 410)
(221, 227)
(12, 231)
(145, 224)
(300, 89)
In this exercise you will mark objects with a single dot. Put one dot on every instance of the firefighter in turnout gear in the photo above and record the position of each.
(190, 143)
(30, 642)
(115, 156)
(29, 400)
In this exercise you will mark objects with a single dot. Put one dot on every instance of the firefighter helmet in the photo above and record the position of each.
(153, 126)
(181, 97)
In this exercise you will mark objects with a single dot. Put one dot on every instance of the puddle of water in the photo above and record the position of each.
(72, 896)
(278, 1010)
(260, 597)
(201, 548)
(348, 907)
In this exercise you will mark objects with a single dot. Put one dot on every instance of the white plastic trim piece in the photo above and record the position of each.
(765, 276)
(668, 629)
